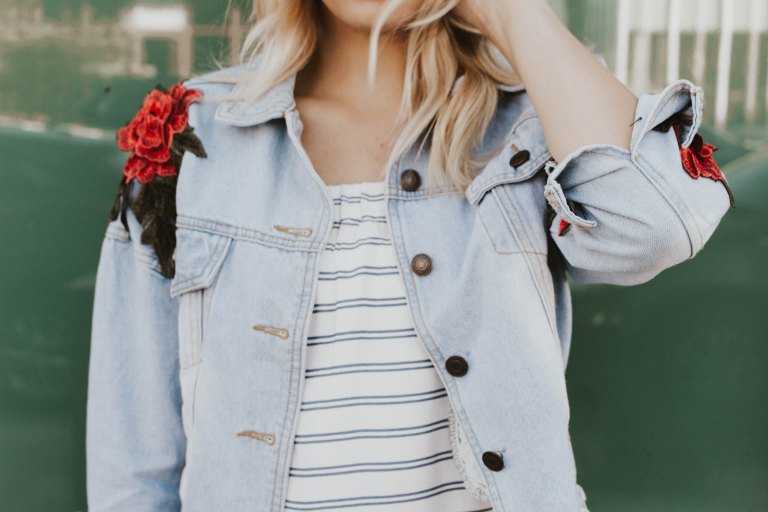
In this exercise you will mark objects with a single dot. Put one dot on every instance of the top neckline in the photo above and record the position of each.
(357, 186)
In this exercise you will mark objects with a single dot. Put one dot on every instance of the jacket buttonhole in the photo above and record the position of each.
(294, 231)
(275, 331)
(259, 436)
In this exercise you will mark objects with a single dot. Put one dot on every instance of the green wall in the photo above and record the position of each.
(667, 380)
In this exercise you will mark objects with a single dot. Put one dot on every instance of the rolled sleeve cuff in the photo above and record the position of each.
(680, 102)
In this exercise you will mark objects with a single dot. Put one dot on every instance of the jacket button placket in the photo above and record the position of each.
(421, 264)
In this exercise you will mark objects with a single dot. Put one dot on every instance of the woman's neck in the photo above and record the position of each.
(338, 72)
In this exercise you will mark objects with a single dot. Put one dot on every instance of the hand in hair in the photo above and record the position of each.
(486, 14)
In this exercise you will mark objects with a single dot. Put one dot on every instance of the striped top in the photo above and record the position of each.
(373, 428)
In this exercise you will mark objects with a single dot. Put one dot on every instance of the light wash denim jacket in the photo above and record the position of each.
(195, 381)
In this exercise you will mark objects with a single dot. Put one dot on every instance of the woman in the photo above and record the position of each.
(355, 297)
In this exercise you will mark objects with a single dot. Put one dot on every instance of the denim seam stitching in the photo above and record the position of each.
(147, 261)
(117, 232)
(246, 234)
(660, 105)
(211, 268)
(534, 272)
(486, 185)
(293, 382)
(673, 202)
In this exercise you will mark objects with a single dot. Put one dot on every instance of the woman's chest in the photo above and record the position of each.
(345, 145)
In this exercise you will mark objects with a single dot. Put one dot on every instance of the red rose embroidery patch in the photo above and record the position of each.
(157, 137)
(698, 160)
(159, 134)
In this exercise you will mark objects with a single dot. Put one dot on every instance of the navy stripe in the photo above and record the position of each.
(362, 397)
(358, 274)
(371, 371)
(358, 271)
(359, 404)
(337, 366)
(378, 463)
(329, 310)
(350, 336)
(353, 299)
(361, 338)
(355, 221)
(362, 198)
(372, 267)
(372, 470)
(357, 431)
(359, 302)
(355, 247)
(367, 238)
(392, 436)
(389, 463)
(359, 331)
(370, 240)
(446, 487)
(365, 368)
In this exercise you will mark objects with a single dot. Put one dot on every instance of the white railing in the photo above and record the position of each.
(640, 22)
(647, 42)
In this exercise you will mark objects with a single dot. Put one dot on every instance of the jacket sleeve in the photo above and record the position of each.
(635, 213)
(135, 443)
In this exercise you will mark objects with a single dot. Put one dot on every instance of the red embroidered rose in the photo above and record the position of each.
(159, 130)
(698, 160)
(157, 137)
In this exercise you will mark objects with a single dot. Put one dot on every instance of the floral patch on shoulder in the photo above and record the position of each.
(157, 138)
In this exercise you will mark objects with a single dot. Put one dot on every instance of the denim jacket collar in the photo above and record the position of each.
(279, 99)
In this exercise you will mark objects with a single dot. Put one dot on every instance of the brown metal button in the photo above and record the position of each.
(456, 366)
(493, 460)
(520, 158)
(410, 180)
(421, 264)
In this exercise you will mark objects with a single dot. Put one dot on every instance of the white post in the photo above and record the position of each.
(758, 14)
(136, 62)
(86, 17)
(673, 40)
(185, 53)
(623, 34)
(642, 51)
(235, 34)
(700, 44)
(724, 64)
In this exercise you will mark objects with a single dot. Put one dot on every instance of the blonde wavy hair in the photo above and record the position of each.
(441, 48)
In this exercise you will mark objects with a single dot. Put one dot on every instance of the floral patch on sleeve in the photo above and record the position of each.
(157, 138)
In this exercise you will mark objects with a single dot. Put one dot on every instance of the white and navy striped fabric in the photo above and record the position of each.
(373, 427)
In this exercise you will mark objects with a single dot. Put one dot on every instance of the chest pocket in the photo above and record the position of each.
(199, 257)
(508, 193)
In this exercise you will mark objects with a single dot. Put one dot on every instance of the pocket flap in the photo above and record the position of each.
(524, 153)
(198, 256)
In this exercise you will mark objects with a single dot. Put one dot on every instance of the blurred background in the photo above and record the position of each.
(668, 381)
